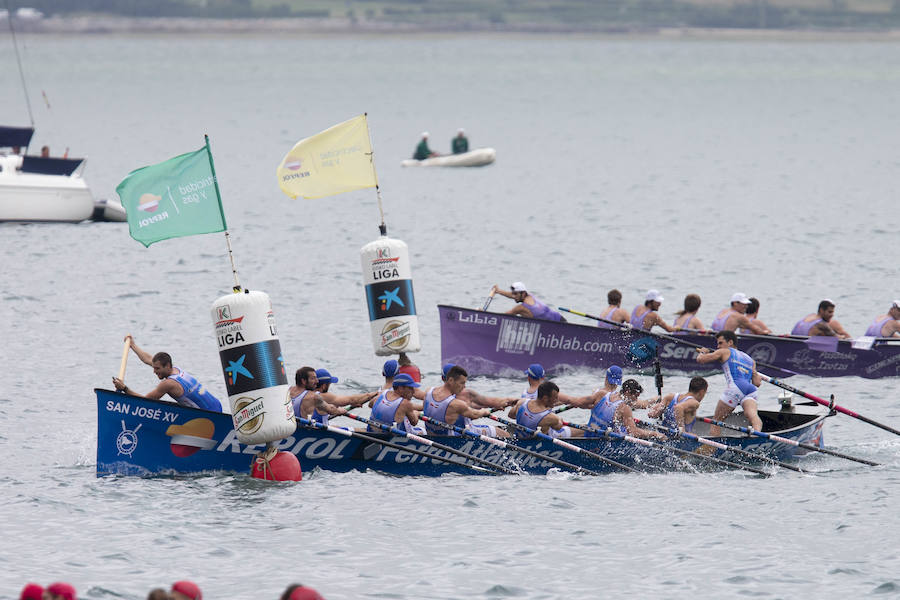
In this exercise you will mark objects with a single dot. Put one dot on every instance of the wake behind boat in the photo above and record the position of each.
(474, 158)
(138, 436)
(486, 343)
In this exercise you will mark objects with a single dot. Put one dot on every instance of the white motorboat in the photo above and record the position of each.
(35, 188)
(474, 158)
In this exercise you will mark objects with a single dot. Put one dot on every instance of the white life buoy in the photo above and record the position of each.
(253, 366)
(389, 296)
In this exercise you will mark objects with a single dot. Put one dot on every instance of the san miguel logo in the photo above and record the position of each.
(248, 415)
(384, 266)
(228, 328)
(395, 335)
(193, 436)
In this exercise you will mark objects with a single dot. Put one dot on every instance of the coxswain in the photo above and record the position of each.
(729, 319)
(394, 406)
(679, 411)
(526, 304)
(821, 322)
(614, 312)
(741, 380)
(306, 399)
(446, 403)
(324, 379)
(180, 385)
(686, 319)
(753, 316)
(886, 325)
(645, 316)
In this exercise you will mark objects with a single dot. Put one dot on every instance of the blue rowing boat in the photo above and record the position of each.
(138, 436)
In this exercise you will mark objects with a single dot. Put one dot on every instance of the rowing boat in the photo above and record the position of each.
(487, 343)
(139, 436)
(474, 158)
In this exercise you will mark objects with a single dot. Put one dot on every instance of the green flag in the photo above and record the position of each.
(175, 198)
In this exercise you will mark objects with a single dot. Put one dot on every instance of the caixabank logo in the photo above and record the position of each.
(390, 299)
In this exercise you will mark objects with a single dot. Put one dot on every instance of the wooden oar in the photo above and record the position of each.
(714, 444)
(671, 338)
(784, 440)
(488, 301)
(124, 358)
(510, 447)
(374, 440)
(829, 403)
(628, 438)
(427, 442)
(563, 444)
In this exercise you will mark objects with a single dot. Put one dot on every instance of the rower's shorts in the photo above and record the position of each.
(563, 432)
(488, 430)
(734, 396)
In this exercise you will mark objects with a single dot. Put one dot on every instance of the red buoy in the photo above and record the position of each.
(272, 465)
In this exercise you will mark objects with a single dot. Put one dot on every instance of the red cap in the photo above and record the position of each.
(31, 591)
(305, 593)
(63, 590)
(188, 588)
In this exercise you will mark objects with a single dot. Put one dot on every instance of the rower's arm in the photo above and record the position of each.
(663, 324)
(709, 355)
(514, 410)
(325, 407)
(497, 290)
(657, 409)
(145, 356)
(489, 401)
(583, 401)
(409, 411)
(839, 330)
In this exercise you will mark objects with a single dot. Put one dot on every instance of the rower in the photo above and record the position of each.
(729, 319)
(821, 322)
(527, 305)
(180, 385)
(324, 379)
(645, 316)
(445, 403)
(306, 400)
(742, 380)
(887, 325)
(679, 411)
(753, 316)
(614, 312)
(614, 411)
(537, 413)
(393, 406)
(686, 319)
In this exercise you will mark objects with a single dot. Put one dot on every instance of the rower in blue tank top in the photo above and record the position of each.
(679, 411)
(393, 406)
(527, 305)
(741, 380)
(180, 385)
(443, 404)
(538, 414)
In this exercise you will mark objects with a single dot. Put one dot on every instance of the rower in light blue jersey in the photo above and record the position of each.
(741, 380)
(180, 385)
(679, 411)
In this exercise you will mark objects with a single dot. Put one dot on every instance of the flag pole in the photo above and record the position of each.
(382, 228)
(237, 284)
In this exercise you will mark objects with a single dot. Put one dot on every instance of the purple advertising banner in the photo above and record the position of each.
(486, 343)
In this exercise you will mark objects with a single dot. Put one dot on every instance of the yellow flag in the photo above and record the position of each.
(337, 160)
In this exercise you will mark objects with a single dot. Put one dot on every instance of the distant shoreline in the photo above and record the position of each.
(114, 25)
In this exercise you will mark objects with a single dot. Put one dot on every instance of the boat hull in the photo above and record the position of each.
(475, 158)
(28, 197)
(138, 436)
(498, 344)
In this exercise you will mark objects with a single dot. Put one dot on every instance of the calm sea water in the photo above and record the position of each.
(687, 166)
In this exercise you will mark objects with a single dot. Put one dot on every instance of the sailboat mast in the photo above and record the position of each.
(12, 31)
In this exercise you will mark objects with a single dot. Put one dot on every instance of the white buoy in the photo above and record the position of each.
(253, 366)
(389, 295)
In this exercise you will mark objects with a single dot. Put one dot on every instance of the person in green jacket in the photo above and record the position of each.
(460, 143)
(422, 150)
